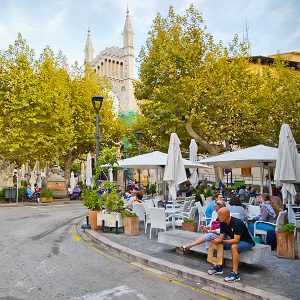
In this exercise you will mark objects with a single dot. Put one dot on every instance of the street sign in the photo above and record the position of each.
(125, 169)
(227, 171)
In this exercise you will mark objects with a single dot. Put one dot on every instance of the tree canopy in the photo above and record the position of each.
(46, 108)
(205, 90)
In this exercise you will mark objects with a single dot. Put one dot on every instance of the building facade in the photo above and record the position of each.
(118, 65)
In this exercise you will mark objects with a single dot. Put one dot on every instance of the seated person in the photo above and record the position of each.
(70, 191)
(29, 193)
(269, 212)
(253, 193)
(137, 198)
(210, 208)
(76, 192)
(212, 229)
(235, 236)
(189, 191)
(223, 191)
(144, 191)
(276, 197)
(242, 190)
(235, 206)
(37, 193)
(123, 194)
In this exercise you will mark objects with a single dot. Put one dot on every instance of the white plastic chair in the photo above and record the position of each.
(280, 220)
(201, 215)
(149, 203)
(158, 219)
(147, 215)
(203, 198)
(139, 209)
(179, 218)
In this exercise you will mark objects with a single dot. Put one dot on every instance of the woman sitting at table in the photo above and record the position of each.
(269, 212)
(138, 198)
(235, 206)
(213, 229)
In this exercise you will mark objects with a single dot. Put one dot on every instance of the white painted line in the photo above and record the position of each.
(112, 294)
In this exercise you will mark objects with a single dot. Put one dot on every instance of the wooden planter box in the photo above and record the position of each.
(285, 244)
(110, 219)
(190, 226)
(131, 225)
(45, 199)
(298, 242)
(93, 219)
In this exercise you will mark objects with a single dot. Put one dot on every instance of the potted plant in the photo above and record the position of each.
(94, 203)
(113, 207)
(46, 195)
(189, 225)
(131, 223)
(285, 241)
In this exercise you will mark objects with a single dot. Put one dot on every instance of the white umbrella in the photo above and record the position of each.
(72, 180)
(174, 171)
(82, 172)
(32, 180)
(22, 172)
(288, 165)
(193, 158)
(89, 171)
(110, 175)
(152, 160)
(38, 175)
(257, 156)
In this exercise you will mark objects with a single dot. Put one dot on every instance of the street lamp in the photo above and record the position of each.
(139, 135)
(97, 103)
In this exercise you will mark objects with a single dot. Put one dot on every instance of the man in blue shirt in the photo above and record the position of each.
(210, 207)
(221, 184)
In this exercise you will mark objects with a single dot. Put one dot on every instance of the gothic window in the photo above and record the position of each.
(117, 69)
(109, 67)
(121, 70)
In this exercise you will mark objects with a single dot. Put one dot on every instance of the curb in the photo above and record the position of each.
(214, 283)
(54, 202)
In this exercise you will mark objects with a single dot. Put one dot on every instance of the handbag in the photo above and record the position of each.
(216, 254)
(215, 225)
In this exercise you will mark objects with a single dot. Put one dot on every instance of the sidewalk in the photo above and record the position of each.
(53, 202)
(276, 279)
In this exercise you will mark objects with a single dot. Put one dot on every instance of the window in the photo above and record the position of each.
(246, 172)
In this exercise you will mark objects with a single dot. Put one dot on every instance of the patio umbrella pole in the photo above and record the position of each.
(261, 177)
(270, 186)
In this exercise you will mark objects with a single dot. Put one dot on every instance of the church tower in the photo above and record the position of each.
(89, 49)
(118, 65)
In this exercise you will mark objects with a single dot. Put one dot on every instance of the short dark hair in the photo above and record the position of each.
(235, 201)
(139, 195)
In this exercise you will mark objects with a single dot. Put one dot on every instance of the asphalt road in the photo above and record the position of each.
(44, 257)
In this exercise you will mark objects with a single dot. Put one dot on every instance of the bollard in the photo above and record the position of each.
(117, 227)
(87, 220)
(103, 225)
(87, 225)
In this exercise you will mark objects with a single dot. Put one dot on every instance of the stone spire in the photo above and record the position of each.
(89, 49)
(128, 34)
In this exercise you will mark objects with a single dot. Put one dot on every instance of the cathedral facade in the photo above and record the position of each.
(118, 65)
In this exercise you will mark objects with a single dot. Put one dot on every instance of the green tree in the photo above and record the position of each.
(203, 90)
(46, 108)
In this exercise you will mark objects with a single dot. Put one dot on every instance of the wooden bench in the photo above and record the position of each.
(179, 238)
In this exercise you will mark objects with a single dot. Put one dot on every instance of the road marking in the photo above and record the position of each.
(76, 237)
(146, 271)
(112, 294)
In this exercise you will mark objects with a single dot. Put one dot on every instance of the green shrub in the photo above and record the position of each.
(189, 221)
(152, 188)
(47, 193)
(23, 183)
(92, 200)
(2, 193)
(289, 227)
(128, 214)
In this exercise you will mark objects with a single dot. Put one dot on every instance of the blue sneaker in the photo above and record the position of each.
(232, 277)
(215, 270)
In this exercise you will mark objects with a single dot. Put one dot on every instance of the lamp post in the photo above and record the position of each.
(97, 103)
(139, 135)
(125, 169)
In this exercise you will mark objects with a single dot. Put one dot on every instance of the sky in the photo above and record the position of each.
(273, 25)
